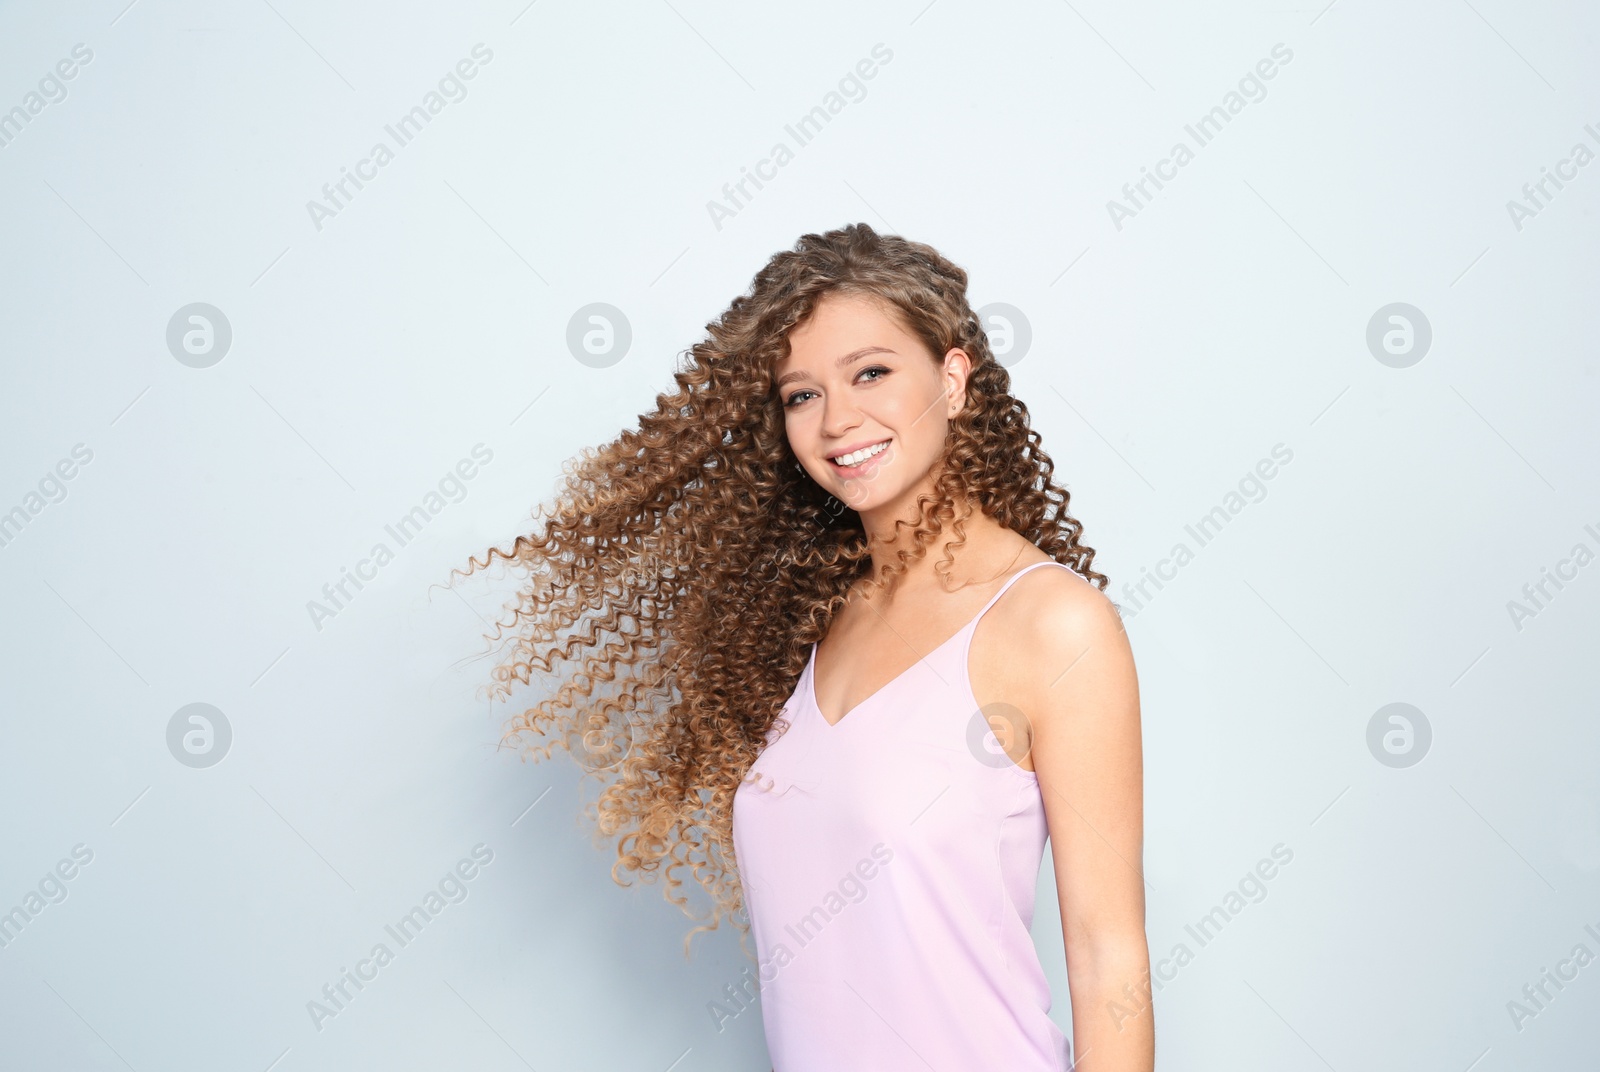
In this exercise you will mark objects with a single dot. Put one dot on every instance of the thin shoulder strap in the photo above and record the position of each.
(1013, 580)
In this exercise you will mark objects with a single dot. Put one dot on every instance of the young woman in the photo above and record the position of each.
(847, 662)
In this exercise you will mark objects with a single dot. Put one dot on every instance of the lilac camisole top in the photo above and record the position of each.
(889, 863)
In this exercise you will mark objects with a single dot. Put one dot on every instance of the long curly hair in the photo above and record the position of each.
(686, 567)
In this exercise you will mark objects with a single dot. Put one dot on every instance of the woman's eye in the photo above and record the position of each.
(800, 396)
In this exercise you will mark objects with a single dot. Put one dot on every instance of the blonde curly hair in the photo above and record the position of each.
(687, 566)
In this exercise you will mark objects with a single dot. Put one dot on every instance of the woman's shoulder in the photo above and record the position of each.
(1059, 647)
(1049, 622)
(1057, 603)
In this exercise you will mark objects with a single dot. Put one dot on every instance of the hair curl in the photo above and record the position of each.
(691, 563)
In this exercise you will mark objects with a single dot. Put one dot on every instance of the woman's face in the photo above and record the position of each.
(860, 388)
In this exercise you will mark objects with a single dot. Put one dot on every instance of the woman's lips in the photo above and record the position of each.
(862, 468)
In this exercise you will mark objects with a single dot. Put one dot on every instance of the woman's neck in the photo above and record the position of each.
(988, 550)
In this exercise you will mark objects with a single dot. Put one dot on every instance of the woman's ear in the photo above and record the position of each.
(957, 368)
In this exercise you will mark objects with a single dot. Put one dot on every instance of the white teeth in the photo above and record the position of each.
(860, 456)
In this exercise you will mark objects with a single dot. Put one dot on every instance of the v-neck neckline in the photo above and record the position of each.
(811, 677)
(811, 666)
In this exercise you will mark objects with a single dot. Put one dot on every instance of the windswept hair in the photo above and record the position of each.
(687, 566)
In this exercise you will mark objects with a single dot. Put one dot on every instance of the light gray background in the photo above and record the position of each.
(1167, 359)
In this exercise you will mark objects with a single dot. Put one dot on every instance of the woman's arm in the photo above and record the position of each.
(1082, 703)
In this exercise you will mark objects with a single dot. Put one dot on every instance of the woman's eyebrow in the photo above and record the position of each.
(853, 355)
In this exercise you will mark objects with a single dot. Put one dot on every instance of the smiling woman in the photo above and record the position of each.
(842, 508)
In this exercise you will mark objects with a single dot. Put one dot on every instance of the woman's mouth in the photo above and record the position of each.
(858, 461)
